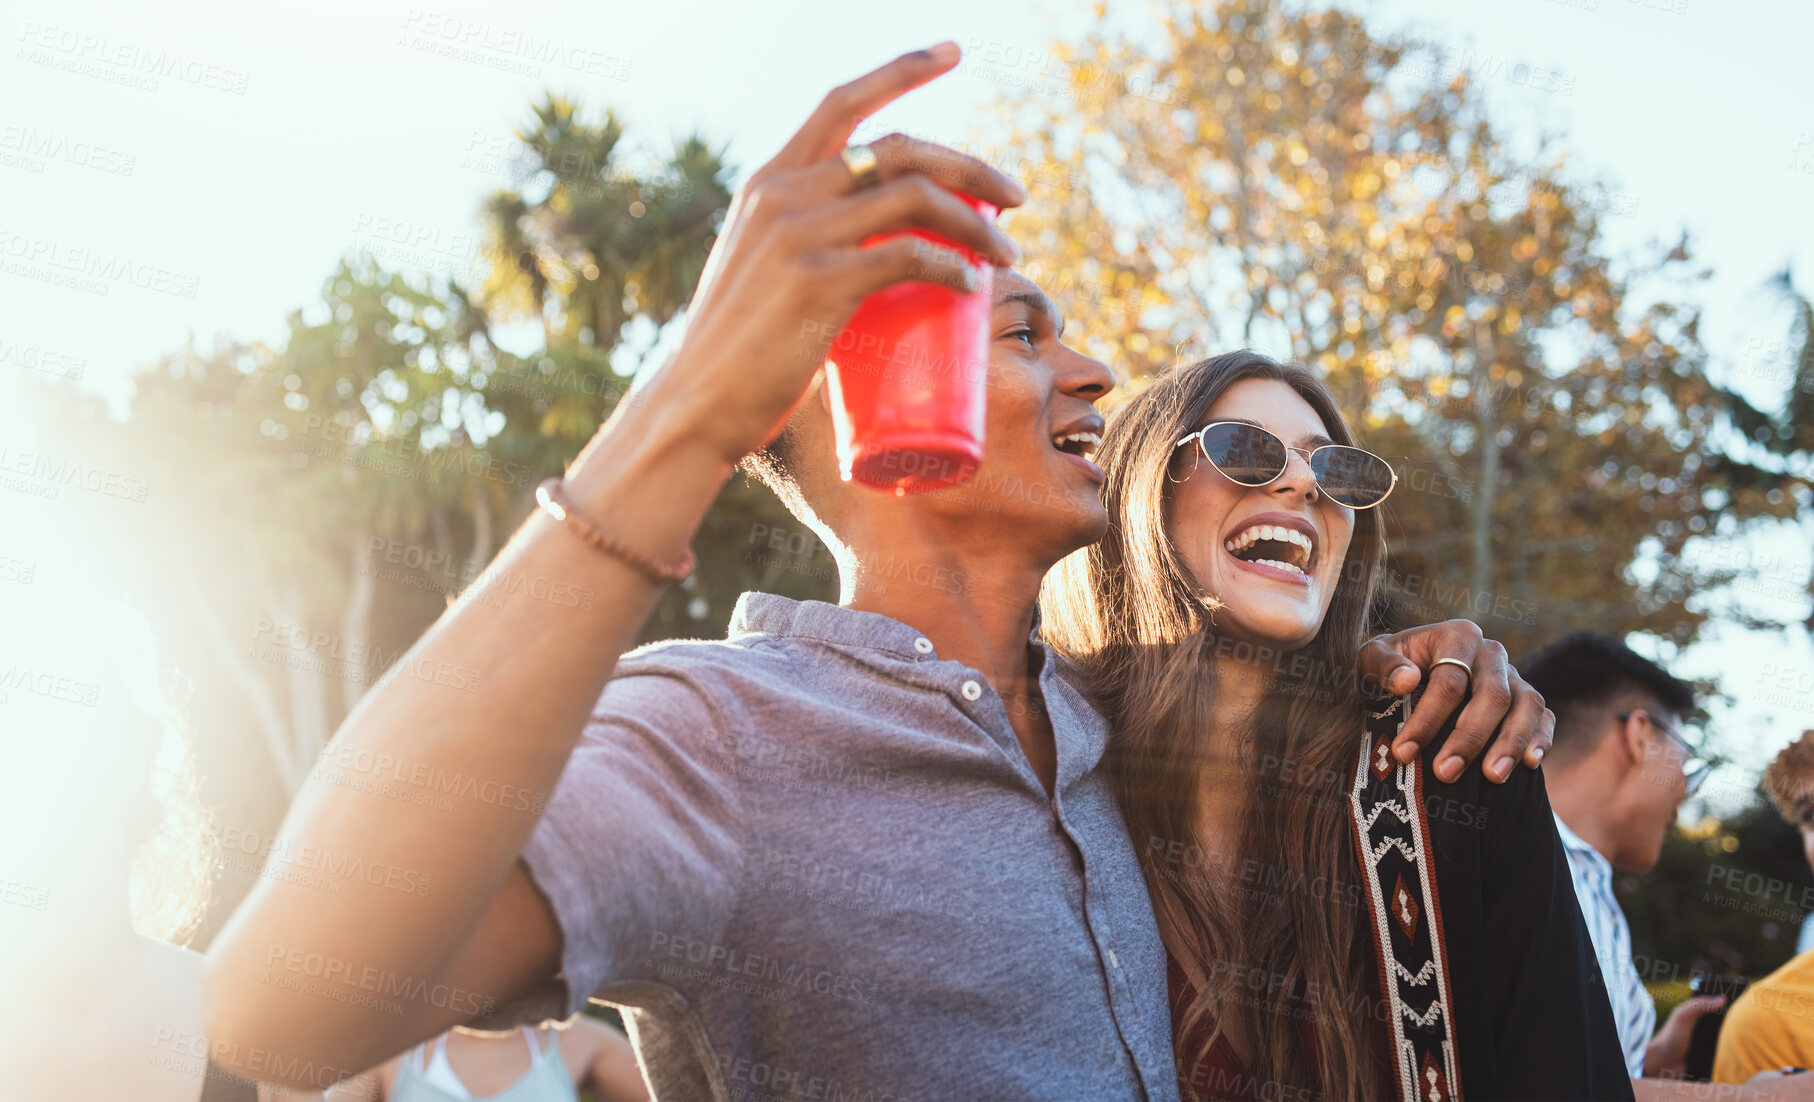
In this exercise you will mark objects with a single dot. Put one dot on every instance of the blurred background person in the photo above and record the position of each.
(1793, 771)
(105, 869)
(1618, 771)
(1772, 1024)
(545, 1064)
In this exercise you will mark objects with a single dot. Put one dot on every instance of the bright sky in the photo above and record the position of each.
(227, 156)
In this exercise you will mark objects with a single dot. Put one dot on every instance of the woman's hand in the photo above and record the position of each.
(790, 266)
(1495, 704)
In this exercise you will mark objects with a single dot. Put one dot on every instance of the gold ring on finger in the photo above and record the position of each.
(865, 170)
(1465, 668)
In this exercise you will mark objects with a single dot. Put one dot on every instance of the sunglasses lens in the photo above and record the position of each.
(1245, 454)
(1355, 478)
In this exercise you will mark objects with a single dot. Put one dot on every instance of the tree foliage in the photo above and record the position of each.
(599, 255)
(1778, 447)
(1284, 179)
(340, 489)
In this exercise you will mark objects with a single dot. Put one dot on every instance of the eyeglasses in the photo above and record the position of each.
(1250, 456)
(1695, 767)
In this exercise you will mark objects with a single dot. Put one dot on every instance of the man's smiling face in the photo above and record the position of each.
(1036, 482)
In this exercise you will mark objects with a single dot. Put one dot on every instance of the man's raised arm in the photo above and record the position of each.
(302, 982)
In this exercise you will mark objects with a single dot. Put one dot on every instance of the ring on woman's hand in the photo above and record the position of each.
(865, 170)
(1465, 668)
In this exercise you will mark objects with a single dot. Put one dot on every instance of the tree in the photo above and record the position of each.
(604, 259)
(591, 250)
(329, 497)
(341, 490)
(1286, 179)
(365, 433)
(1779, 444)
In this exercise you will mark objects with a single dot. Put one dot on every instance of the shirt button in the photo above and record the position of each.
(1114, 961)
(971, 690)
(923, 645)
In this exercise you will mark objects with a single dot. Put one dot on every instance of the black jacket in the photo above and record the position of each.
(1526, 1011)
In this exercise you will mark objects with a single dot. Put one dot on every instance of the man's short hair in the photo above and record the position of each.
(1580, 674)
(1791, 776)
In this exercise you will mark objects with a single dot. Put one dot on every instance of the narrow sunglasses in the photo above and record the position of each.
(1251, 456)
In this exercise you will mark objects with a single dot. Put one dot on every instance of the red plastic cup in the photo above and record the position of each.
(908, 376)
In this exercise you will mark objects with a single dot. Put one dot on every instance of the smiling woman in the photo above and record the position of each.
(1329, 934)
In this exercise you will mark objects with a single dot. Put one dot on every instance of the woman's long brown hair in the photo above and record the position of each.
(1130, 613)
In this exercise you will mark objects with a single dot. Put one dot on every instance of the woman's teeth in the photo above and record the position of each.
(1292, 551)
(1078, 443)
(1276, 563)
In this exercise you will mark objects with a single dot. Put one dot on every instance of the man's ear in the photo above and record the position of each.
(1633, 738)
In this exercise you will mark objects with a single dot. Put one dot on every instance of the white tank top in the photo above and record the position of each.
(425, 1078)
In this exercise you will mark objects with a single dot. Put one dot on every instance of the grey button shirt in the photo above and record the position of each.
(813, 863)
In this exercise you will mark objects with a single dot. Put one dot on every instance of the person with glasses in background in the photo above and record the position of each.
(1618, 771)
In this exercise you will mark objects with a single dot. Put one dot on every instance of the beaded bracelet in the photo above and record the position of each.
(552, 497)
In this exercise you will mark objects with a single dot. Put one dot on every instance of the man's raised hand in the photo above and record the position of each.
(791, 264)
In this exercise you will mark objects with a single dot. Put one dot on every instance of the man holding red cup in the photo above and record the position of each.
(854, 850)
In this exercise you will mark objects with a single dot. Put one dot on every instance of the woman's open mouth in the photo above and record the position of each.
(1275, 549)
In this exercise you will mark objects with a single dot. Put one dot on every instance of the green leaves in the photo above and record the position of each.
(1308, 189)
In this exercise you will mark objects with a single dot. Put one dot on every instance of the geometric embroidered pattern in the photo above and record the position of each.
(1392, 842)
(1434, 1084)
(1404, 908)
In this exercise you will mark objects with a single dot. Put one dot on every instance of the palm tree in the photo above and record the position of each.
(605, 258)
(1780, 445)
(1797, 431)
(1794, 431)
(586, 244)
